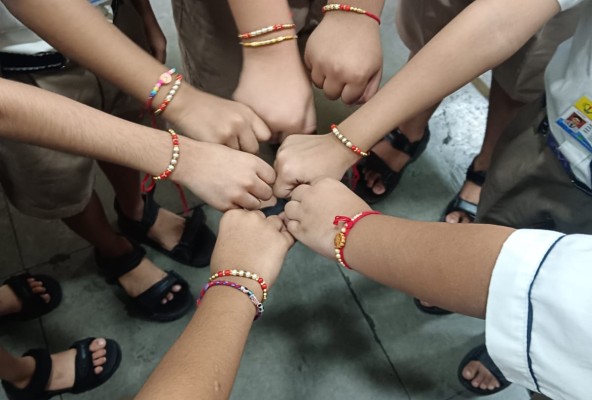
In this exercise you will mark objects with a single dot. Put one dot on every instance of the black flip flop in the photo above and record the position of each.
(390, 178)
(197, 241)
(458, 204)
(480, 354)
(33, 305)
(85, 378)
(148, 304)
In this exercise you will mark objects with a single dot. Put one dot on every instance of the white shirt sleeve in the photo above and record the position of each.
(567, 4)
(539, 314)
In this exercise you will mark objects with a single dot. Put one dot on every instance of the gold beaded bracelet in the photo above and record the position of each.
(243, 274)
(267, 29)
(347, 143)
(269, 42)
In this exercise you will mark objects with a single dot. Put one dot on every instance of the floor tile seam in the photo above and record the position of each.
(372, 327)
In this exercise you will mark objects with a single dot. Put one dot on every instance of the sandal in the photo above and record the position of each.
(458, 204)
(390, 178)
(480, 354)
(33, 305)
(148, 303)
(85, 378)
(197, 241)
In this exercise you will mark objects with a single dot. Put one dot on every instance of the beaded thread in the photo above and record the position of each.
(258, 306)
(243, 274)
(266, 30)
(169, 97)
(347, 143)
(341, 236)
(269, 42)
(357, 10)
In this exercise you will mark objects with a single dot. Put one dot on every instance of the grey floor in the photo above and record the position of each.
(337, 336)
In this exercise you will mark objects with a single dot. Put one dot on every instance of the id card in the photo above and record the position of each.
(577, 122)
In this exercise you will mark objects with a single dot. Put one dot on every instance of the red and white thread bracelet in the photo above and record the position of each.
(243, 274)
(266, 30)
(357, 10)
(258, 306)
(341, 236)
(347, 143)
(169, 97)
(169, 169)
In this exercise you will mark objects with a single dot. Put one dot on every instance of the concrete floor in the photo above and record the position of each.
(337, 336)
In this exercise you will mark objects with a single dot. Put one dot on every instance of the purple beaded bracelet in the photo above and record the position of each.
(258, 306)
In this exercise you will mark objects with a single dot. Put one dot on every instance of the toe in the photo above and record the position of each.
(170, 296)
(470, 370)
(176, 289)
(371, 177)
(100, 361)
(38, 290)
(98, 370)
(46, 298)
(98, 344)
(99, 353)
(378, 187)
(35, 284)
(453, 218)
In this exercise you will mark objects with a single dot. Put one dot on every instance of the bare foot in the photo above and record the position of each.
(63, 370)
(10, 303)
(480, 376)
(167, 229)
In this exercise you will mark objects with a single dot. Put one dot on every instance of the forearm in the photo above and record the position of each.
(45, 119)
(203, 362)
(83, 34)
(449, 265)
(481, 37)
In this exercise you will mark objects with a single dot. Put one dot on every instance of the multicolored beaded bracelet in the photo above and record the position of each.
(266, 30)
(269, 42)
(357, 10)
(169, 97)
(243, 274)
(258, 306)
(164, 79)
(341, 236)
(347, 143)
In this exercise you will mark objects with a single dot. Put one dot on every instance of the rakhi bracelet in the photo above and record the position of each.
(266, 30)
(258, 306)
(169, 97)
(347, 143)
(341, 236)
(357, 10)
(243, 274)
(164, 79)
(174, 159)
(269, 42)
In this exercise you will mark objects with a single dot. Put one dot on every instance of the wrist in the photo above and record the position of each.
(273, 53)
(343, 156)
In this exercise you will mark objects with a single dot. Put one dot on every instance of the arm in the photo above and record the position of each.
(273, 80)
(454, 57)
(80, 32)
(197, 367)
(344, 53)
(156, 39)
(38, 117)
(419, 258)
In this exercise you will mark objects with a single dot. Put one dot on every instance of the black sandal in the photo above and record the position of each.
(432, 310)
(33, 305)
(85, 378)
(148, 303)
(480, 354)
(197, 242)
(390, 178)
(458, 204)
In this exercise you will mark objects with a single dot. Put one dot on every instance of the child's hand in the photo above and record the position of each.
(249, 241)
(310, 214)
(274, 84)
(303, 159)
(344, 56)
(222, 177)
(211, 119)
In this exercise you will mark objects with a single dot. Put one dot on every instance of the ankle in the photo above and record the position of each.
(23, 370)
(115, 247)
(482, 162)
(132, 209)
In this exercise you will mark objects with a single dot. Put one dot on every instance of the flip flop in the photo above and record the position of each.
(480, 354)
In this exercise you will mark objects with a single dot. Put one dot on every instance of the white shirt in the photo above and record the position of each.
(568, 81)
(16, 38)
(539, 313)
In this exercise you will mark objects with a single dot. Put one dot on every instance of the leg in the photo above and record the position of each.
(167, 229)
(502, 110)
(92, 225)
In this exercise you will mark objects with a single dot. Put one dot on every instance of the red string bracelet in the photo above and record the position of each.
(267, 29)
(357, 10)
(258, 306)
(169, 97)
(341, 236)
(243, 274)
(347, 143)
(170, 168)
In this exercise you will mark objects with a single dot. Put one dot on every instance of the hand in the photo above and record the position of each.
(310, 214)
(274, 84)
(222, 177)
(247, 240)
(211, 119)
(302, 159)
(344, 56)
